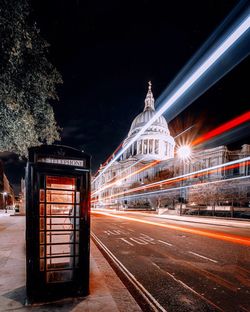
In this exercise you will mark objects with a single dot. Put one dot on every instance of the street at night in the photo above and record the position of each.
(182, 271)
(124, 156)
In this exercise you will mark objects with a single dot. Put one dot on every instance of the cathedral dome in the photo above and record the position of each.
(143, 118)
(156, 141)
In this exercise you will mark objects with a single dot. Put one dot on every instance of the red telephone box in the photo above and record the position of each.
(57, 223)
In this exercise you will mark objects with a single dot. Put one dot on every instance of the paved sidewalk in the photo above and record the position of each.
(107, 292)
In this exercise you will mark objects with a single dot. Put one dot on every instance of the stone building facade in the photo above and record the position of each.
(6, 190)
(156, 150)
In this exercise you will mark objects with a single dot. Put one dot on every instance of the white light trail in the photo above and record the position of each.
(229, 163)
(149, 165)
(119, 180)
(132, 165)
(184, 131)
(181, 187)
(233, 162)
(210, 61)
(126, 169)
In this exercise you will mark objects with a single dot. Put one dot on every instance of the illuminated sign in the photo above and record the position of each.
(67, 162)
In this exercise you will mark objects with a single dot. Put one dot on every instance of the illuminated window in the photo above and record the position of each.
(59, 225)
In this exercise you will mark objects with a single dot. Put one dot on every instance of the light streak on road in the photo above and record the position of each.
(223, 128)
(127, 176)
(236, 239)
(229, 165)
(214, 57)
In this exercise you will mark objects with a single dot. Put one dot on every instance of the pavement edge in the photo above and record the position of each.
(144, 299)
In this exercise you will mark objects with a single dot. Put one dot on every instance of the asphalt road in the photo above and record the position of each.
(184, 266)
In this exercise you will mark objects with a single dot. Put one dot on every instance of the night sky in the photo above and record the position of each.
(107, 51)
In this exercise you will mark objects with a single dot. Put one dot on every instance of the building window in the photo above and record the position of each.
(156, 146)
(135, 148)
(166, 150)
(236, 171)
(145, 146)
(140, 147)
(150, 147)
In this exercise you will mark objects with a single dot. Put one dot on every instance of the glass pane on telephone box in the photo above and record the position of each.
(57, 225)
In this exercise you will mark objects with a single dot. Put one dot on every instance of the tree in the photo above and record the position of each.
(27, 82)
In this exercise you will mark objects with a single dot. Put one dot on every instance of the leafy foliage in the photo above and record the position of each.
(27, 82)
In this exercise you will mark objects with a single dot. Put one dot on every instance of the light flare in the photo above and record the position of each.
(184, 151)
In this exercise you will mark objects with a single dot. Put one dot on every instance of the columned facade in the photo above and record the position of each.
(156, 146)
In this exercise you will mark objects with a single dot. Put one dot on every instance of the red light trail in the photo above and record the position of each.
(209, 135)
(236, 239)
(223, 128)
(175, 180)
(127, 176)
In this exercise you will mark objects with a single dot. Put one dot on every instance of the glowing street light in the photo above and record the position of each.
(4, 196)
(184, 152)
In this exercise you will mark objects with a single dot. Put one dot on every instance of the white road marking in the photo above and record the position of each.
(164, 242)
(198, 255)
(116, 232)
(154, 304)
(139, 241)
(147, 238)
(123, 239)
(106, 232)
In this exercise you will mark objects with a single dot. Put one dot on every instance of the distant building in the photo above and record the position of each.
(158, 146)
(6, 190)
(22, 198)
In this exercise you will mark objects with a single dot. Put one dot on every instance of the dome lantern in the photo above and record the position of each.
(155, 143)
(149, 100)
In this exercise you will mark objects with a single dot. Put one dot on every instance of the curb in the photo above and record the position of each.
(144, 299)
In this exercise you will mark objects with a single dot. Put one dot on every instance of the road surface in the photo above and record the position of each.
(184, 266)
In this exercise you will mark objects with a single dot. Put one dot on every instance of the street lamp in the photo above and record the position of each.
(184, 152)
(4, 198)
